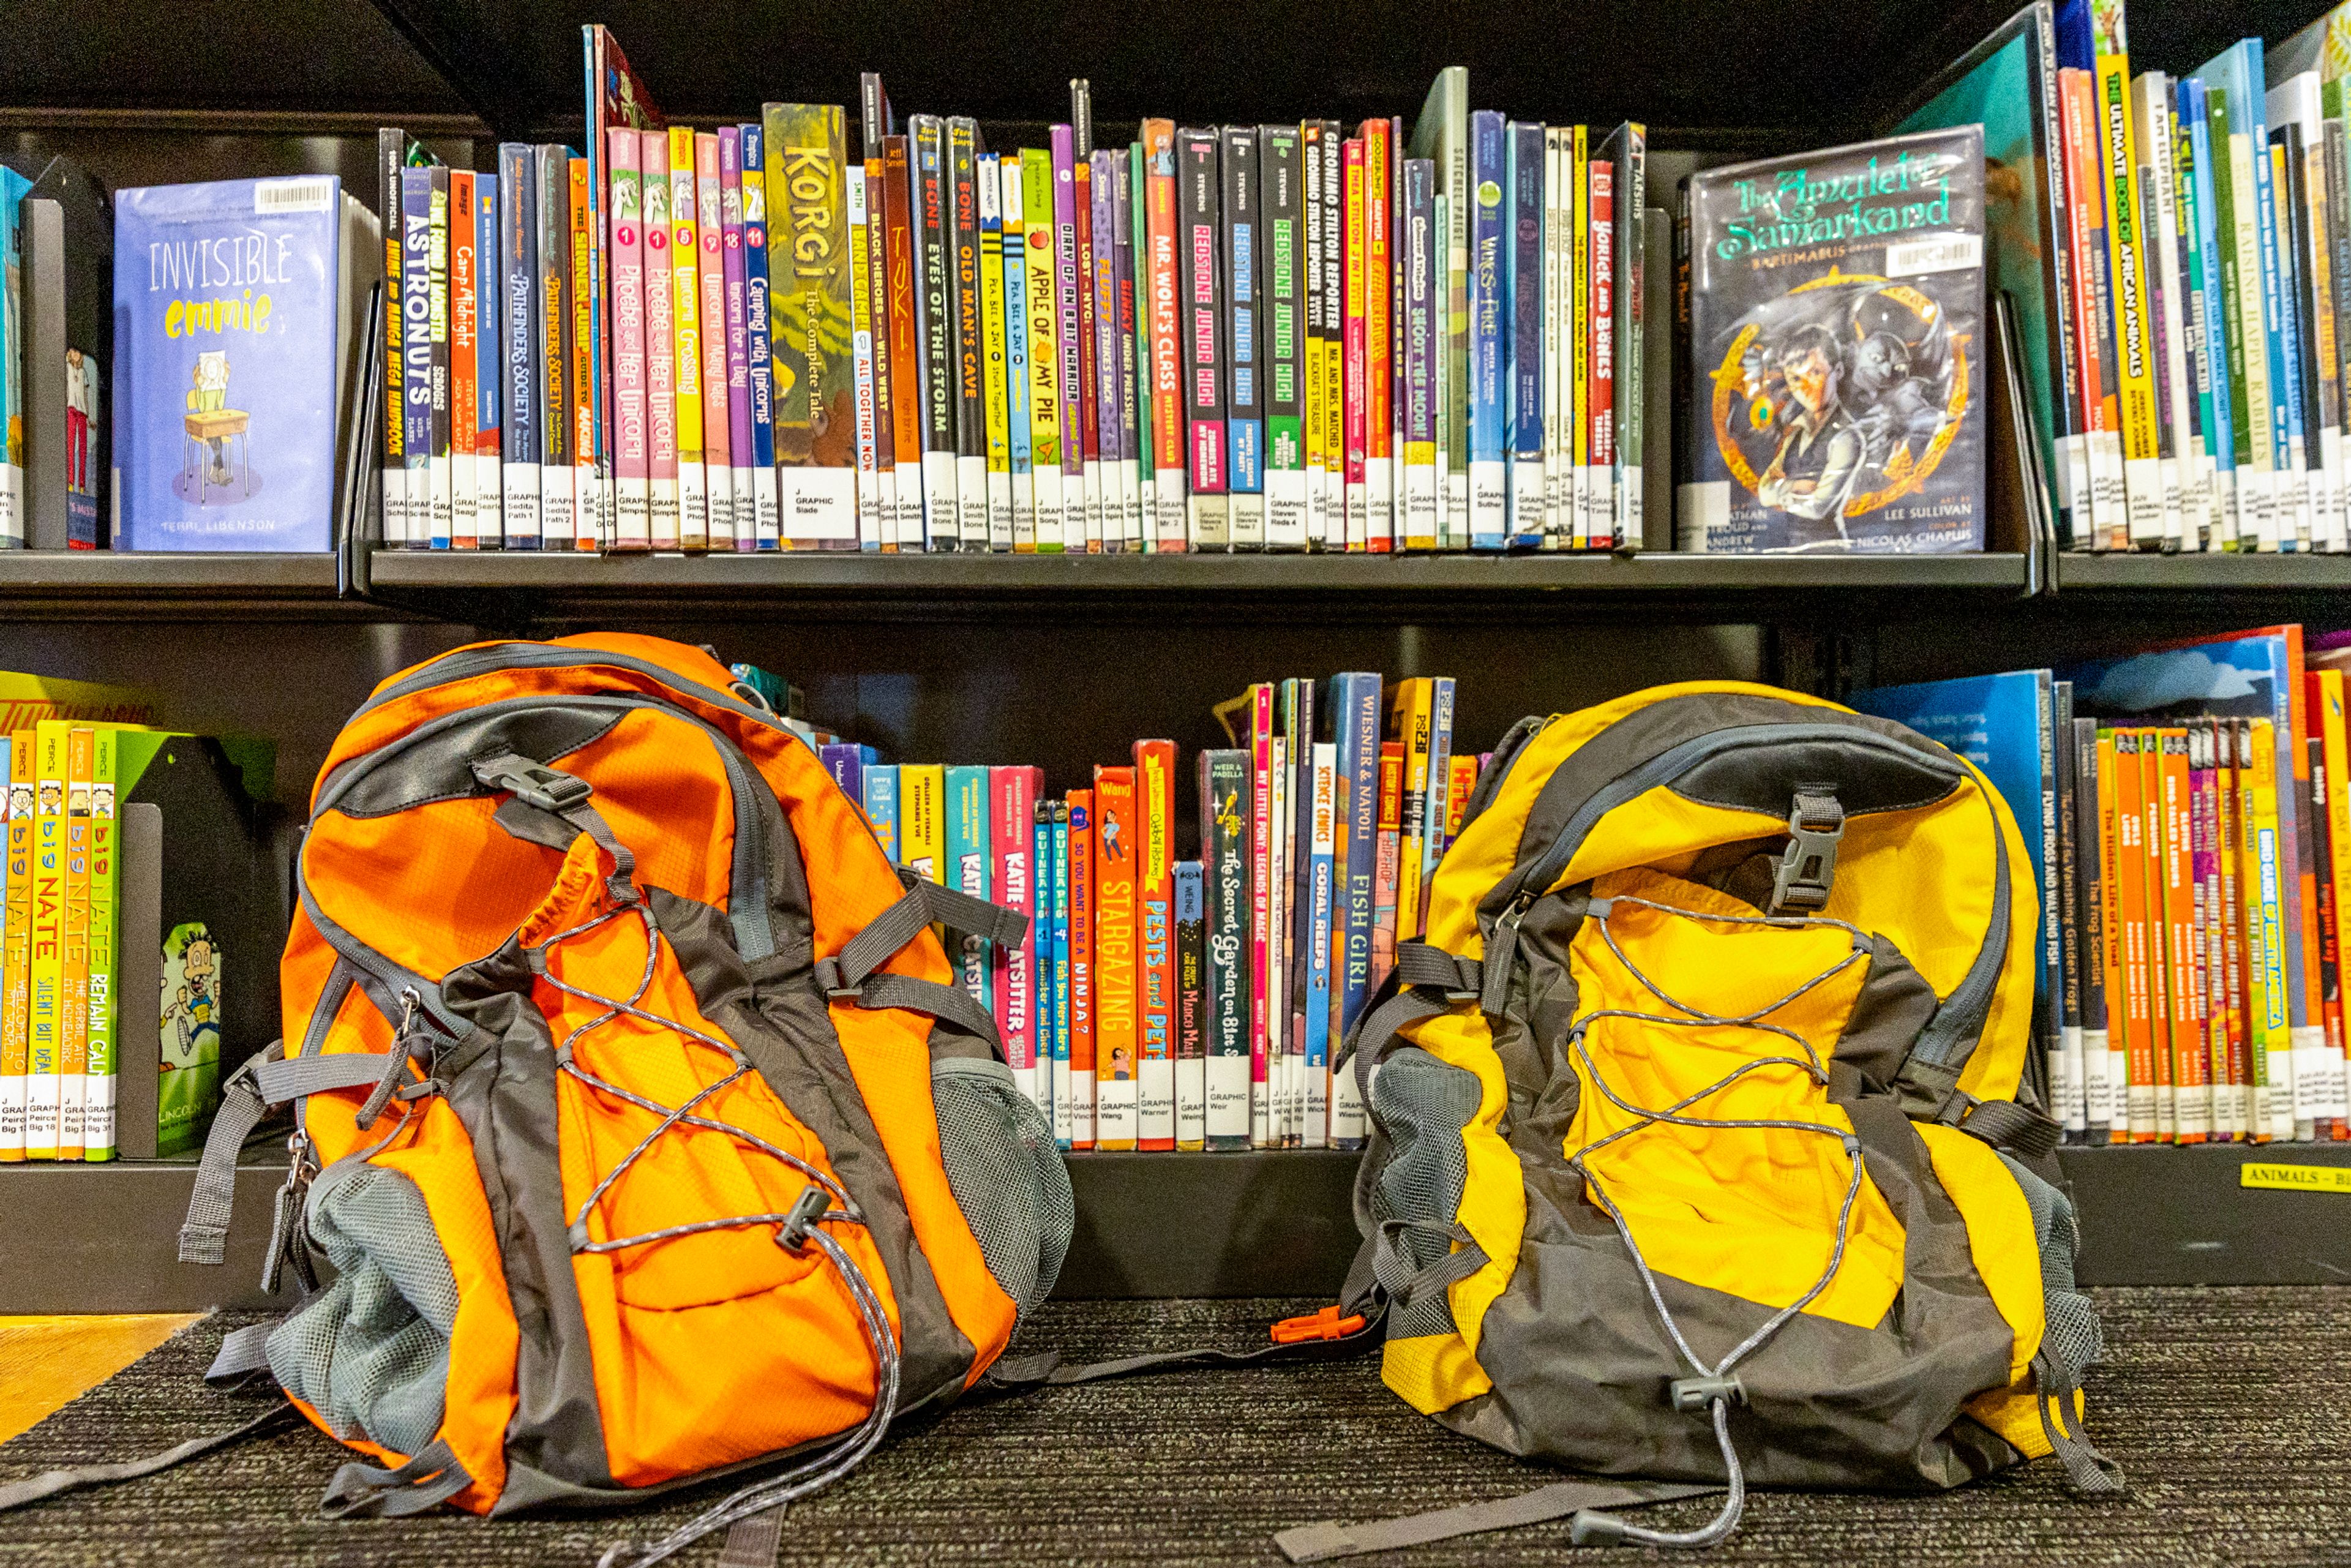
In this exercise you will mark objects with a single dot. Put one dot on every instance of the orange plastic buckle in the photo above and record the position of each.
(1324, 1324)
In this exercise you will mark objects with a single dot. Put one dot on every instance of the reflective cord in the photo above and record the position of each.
(798, 1228)
(1592, 1527)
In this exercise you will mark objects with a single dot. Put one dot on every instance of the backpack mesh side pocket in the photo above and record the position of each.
(370, 1351)
(1006, 1173)
(2071, 1337)
(1423, 1106)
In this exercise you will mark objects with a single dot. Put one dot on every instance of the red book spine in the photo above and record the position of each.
(1081, 998)
(1011, 844)
(1115, 1084)
(1155, 808)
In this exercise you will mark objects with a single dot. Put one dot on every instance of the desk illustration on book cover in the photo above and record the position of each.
(1837, 303)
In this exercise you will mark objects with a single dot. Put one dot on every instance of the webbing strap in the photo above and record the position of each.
(1426, 980)
(243, 1353)
(753, 1542)
(2005, 1125)
(79, 1477)
(429, 1480)
(565, 795)
(203, 1236)
(1020, 1373)
(2089, 1472)
(922, 903)
(294, 1077)
(1317, 1542)
(931, 997)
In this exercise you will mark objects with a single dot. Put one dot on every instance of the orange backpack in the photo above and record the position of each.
(635, 1107)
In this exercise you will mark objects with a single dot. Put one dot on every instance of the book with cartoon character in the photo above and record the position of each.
(1837, 335)
(228, 302)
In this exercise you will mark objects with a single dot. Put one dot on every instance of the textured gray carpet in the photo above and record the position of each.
(2228, 1408)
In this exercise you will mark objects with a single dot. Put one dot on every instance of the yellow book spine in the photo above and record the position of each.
(16, 948)
(2273, 1116)
(99, 1135)
(43, 1106)
(993, 344)
(686, 333)
(922, 821)
(73, 1004)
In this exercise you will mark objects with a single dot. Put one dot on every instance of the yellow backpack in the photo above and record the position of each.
(1701, 1140)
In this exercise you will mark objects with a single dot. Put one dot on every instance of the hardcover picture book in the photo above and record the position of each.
(229, 316)
(1837, 335)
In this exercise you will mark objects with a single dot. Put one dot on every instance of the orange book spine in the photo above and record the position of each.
(1154, 875)
(1081, 1002)
(1115, 1084)
(2130, 876)
(2233, 1080)
(2110, 949)
(2191, 1078)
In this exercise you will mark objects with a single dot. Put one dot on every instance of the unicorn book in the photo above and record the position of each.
(226, 315)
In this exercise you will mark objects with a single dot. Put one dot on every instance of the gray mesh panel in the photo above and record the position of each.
(1006, 1173)
(370, 1351)
(2072, 1338)
(1422, 1105)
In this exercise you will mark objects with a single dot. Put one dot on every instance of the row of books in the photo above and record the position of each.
(2185, 809)
(1168, 1003)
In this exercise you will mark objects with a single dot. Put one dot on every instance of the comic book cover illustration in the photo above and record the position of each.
(1837, 303)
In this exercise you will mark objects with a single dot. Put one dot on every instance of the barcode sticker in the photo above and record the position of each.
(311, 195)
(1944, 253)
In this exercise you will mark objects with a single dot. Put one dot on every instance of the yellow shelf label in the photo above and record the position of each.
(2296, 1178)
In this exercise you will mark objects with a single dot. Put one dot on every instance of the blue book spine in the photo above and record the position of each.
(1436, 798)
(1524, 288)
(1322, 905)
(2213, 393)
(1053, 1079)
(1489, 340)
(767, 498)
(847, 766)
(1355, 728)
(969, 867)
(518, 259)
(1066, 1107)
(880, 789)
(2255, 114)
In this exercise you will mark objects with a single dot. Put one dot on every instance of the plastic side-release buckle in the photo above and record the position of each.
(1325, 1324)
(534, 783)
(1806, 872)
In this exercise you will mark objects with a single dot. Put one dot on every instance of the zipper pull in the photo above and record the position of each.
(1499, 950)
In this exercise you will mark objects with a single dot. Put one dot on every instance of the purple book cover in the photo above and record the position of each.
(1102, 193)
(225, 318)
(738, 333)
(1066, 284)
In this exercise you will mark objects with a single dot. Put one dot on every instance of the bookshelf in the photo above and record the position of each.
(1061, 660)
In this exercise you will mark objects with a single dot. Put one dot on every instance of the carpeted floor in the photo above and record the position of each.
(2231, 1411)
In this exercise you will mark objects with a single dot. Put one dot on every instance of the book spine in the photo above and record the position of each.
(758, 345)
(1116, 1088)
(2327, 706)
(1077, 979)
(1394, 393)
(1489, 342)
(44, 1107)
(1556, 214)
(995, 352)
(1191, 1006)
(2327, 1091)
(1226, 804)
(2151, 132)
(1522, 315)
(1137, 476)
(710, 315)
(1355, 711)
(102, 1067)
(1434, 794)
(1044, 328)
(2289, 331)
(1244, 355)
(416, 363)
(741, 455)
(662, 513)
(464, 294)
(2335, 161)
(2153, 833)
(1171, 526)
(878, 790)
(1155, 808)
(1071, 1114)
(1388, 860)
(871, 534)
(1320, 906)
(816, 424)
(1336, 243)
(489, 360)
(922, 790)
(1281, 837)
(2321, 388)
(442, 471)
(1632, 246)
(2204, 828)
(1260, 916)
(970, 864)
(16, 946)
(1081, 519)
(2191, 1090)
(2093, 834)
(1379, 338)
(2233, 740)
(1084, 373)
(73, 999)
(1601, 303)
(2201, 528)
(588, 523)
(2256, 183)
(1198, 218)
(1012, 845)
(1412, 716)
(1313, 392)
(392, 146)
(1420, 523)
(1013, 258)
(907, 408)
(1281, 179)
(557, 522)
(1579, 440)
(1099, 238)
(2067, 1094)
(966, 363)
(1355, 349)
(632, 525)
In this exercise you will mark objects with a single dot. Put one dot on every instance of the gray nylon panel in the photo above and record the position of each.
(1006, 1175)
(370, 1351)
(773, 1013)
(1423, 1105)
(505, 1097)
(1895, 1003)
(398, 777)
(2071, 1336)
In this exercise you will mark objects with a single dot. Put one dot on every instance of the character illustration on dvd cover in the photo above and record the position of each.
(1836, 310)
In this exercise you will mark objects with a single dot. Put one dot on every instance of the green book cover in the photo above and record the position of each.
(809, 279)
